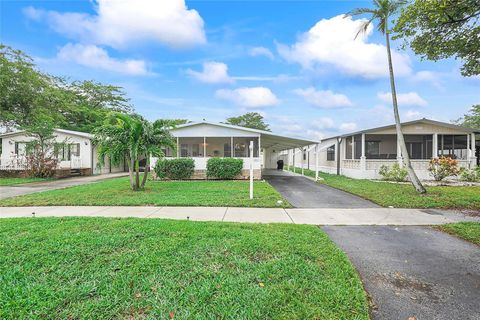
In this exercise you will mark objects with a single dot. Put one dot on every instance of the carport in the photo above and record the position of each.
(278, 147)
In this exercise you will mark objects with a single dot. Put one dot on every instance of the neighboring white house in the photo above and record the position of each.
(203, 140)
(76, 153)
(361, 154)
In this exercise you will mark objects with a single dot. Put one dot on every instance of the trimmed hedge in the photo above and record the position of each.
(224, 168)
(174, 169)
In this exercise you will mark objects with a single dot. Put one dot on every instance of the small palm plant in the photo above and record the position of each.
(383, 10)
(131, 137)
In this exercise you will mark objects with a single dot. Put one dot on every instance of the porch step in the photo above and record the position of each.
(75, 172)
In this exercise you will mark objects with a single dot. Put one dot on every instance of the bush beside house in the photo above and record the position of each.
(224, 168)
(393, 173)
(443, 167)
(470, 175)
(174, 169)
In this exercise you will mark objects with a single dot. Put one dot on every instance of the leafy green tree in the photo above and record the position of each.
(252, 120)
(472, 118)
(26, 92)
(382, 12)
(89, 103)
(131, 137)
(438, 29)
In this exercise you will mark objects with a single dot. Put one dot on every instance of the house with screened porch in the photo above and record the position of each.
(361, 154)
(204, 140)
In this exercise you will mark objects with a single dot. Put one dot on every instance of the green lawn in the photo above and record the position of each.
(469, 231)
(13, 181)
(403, 195)
(161, 193)
(100, 268)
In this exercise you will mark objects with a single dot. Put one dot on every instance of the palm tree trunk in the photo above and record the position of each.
(137, 175)
(130, 172)
(145, 172)
(400, 139)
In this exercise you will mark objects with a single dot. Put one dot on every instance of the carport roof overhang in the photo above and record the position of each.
(280, 143)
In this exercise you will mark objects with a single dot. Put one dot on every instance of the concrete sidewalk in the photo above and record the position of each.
(317, 216)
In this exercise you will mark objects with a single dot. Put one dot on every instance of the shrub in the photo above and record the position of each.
(395, 173)
(175, 169)
(443, 167)
(470, 175)
(224, 168)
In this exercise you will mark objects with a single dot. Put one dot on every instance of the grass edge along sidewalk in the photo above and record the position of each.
(469, 231)
(5, 181)
(117, 192)
(108, 268)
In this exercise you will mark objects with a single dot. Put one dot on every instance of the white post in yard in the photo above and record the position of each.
(316, 162)
(251, 169)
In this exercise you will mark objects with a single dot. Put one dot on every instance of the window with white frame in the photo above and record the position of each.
(331, 153)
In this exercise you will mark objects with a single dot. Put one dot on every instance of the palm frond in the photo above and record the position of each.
(364, 27)
(359, 11)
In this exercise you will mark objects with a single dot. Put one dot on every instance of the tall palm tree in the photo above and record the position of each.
(383, 10)
(131, 137)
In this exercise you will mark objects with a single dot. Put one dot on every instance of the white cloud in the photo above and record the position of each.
(404, 99)
(261, 51)
(281, 78)
(432, 77)
(249, 97)
(348, 126)
(332, 42)
(213, 72)
(96, 57)
(412, 115)
(324, 123)
(119, 23)
(323, 98)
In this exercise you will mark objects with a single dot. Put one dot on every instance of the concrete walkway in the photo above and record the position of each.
(27, 188)
(413, 271)
(323, 216)
(303, 192)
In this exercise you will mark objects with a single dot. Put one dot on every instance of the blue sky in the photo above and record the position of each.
(296, 62)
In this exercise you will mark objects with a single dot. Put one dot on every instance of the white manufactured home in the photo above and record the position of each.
(204, 140)
(76, 153)
(361, 154)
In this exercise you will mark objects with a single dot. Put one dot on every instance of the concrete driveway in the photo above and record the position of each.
(302, 192)
(21, 189)
(414, 271)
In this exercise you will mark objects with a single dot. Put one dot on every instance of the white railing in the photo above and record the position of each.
(13, 163)
(375, 164)
(351, 164)
(20, 163)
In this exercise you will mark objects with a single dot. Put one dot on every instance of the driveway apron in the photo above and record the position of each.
(414, 271)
